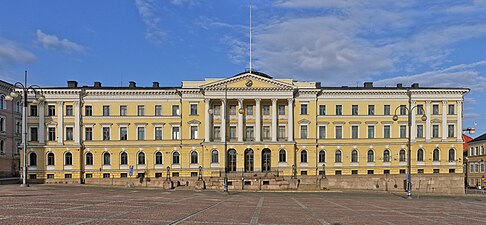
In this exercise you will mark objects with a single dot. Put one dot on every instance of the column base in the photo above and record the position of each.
(24, 185)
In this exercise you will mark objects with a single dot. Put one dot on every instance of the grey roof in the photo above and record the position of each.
(480, 138)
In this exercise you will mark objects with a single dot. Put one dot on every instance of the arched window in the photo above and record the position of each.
(338, 156)
(106, 158)
(282, 155)
(123, 158)
(322, 156)
(371, 156)
(141, 158)
(33, 159)
(89, 158)
(436, 155)
(402, 156)
(452, 155)
(303, 156)
(175, 158)
(420, 155)
(158, 158)
(68, 159)
(214, 156)
(2, 101)
(386, 155)
(354, 156)
(194, 158)
(481, 150)
(50, 159)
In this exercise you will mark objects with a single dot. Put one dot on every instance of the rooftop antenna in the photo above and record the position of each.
(251, 68)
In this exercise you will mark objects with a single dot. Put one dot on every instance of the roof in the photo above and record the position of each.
(255, 73)
(480, 138)
(466, 139)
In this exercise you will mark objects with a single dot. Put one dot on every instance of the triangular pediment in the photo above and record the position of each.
(248, 81)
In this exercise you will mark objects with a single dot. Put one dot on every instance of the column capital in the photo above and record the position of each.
(240, 101)
(290, 100)
(274, 100)
(428, 101)
(207, 100)
(258, 100)
(460, 101)
(60, 103)
(414, 101)
(444, 101)
(223, 101)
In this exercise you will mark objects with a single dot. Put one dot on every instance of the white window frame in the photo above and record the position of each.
(102, 134)
(196, 135)
(65, 133)
(351, 131)
(155, 132)
(144, 132)
(120, 134)
(178, 136)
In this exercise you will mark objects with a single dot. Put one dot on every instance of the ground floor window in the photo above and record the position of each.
(354, 171)
(68, 176)
(386, 172)
(50, 176)
(436, 170)
(32, 176)
(338, 172)
(303, 172)
(106, 175)
(89, 175)
(193, 174)
(123, 175)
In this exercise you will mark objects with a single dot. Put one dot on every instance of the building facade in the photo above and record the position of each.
(246, 126)
(10, 132)
(475, 162)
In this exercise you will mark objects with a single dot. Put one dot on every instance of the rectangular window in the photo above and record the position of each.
(158, 110)
(322, 110)
(266, 132)
(339, 110)
(194, 132)
(354, 110)
(303, 108)
(338, 172)
(216, 133)
(232, 132)
(403, 131)
(420, 131)
(141, 133)
(123, 110)
(217, 110)
(106, 133)
(386, 171)
(249, 110)
(386, 110)
(451, 109)
(52, 133)
(281, 110)
(141, 110)
(436, 170)
(158, 133)
(50, 176)
(193, 109)
(450, 131)
(354, 171)
(371, 131)
(420, 171)
(88, 133)
(175, 110)
(33, 110)
(106, 110)
(403, 110)
(354, 132)
(176, 133)
(303, 131)
(339, 132)
(232, 109)
(435, 131)
(420, 109)
(371, 110)
(266, 110)
(88, 110)
(435, 109)
(51, 110)
(249, 133)
(123, 133)
(33, 134)
(69, 133)
(69, 110)
(322, 132)
(281, 132)
(386, 131)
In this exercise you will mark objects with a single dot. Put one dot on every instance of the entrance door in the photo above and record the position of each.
(266, 160)
(232, 160)
(249, 160)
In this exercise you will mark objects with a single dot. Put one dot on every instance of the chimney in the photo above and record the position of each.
(399, 85)
(368, 84)
(97, 84)
(72, 84)
(155, 84)
(132, 84)
(415, 85)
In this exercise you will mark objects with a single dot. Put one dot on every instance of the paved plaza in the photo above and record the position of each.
(43, 204)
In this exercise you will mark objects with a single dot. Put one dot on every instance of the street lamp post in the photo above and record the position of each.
(39, 97)
(409, 147)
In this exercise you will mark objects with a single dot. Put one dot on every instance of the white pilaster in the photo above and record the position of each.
(290, 125)
(240, 120)
(414, 127)
(223, 120)
(257, 120)
(60, 123)
(459, 121)
(42, 129)
(444, 120)
(77, 122)
(427, 123)
(274, 120)
(207, 125)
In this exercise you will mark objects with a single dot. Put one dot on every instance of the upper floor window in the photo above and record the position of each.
(450, 130)
(158, 110)
(193, 109)
(281, 110)
(51, 134)
(339, 132)
(106, 110)
(420, 109)
(141, 133)
(386, 110)
(33, 134)
(106, 133)
(339, 110)
(249, 110)
(354, 110)
(194, 131)
(403, 110)
(354, 156)
(303, 108)
(123, 110)
(402, 156)
(435, 109)
(322, 110)
(420, 131)
(354, 132)
(88, 133)
(266, 110)
(322, 132)
(338, 156)
(88, 110)
(51, 110)
(2, 102)
(69, 133)
(50, 159)
(123, 133)
(158, 133)
(232, 109)
(403, 131)
(451, 110)
(176, 134)
(141, 110)
(371, 110)
(386, 131)
(303, 131)
(371, 131)
(175, 110)
(33, 110)
(69, 110)
(217, 110)
(435, 131)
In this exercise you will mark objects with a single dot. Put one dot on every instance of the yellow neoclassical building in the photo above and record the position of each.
(251, 128)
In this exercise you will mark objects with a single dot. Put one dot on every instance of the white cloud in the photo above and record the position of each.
(185, 2)
(11, 53)
(147, 11)
(472, 115)
(52, 42)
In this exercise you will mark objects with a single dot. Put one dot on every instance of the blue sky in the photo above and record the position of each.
(434, 43)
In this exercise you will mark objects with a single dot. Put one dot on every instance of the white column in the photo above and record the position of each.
(257, 121)
(207, 125)
(459, 121)
(77, 122)
(427, 123)
(223, 120)
(290, 125)
(240, 120)
(274, 120)
(444, 120)
(42, 128)
(414, 128)
(60, 123)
